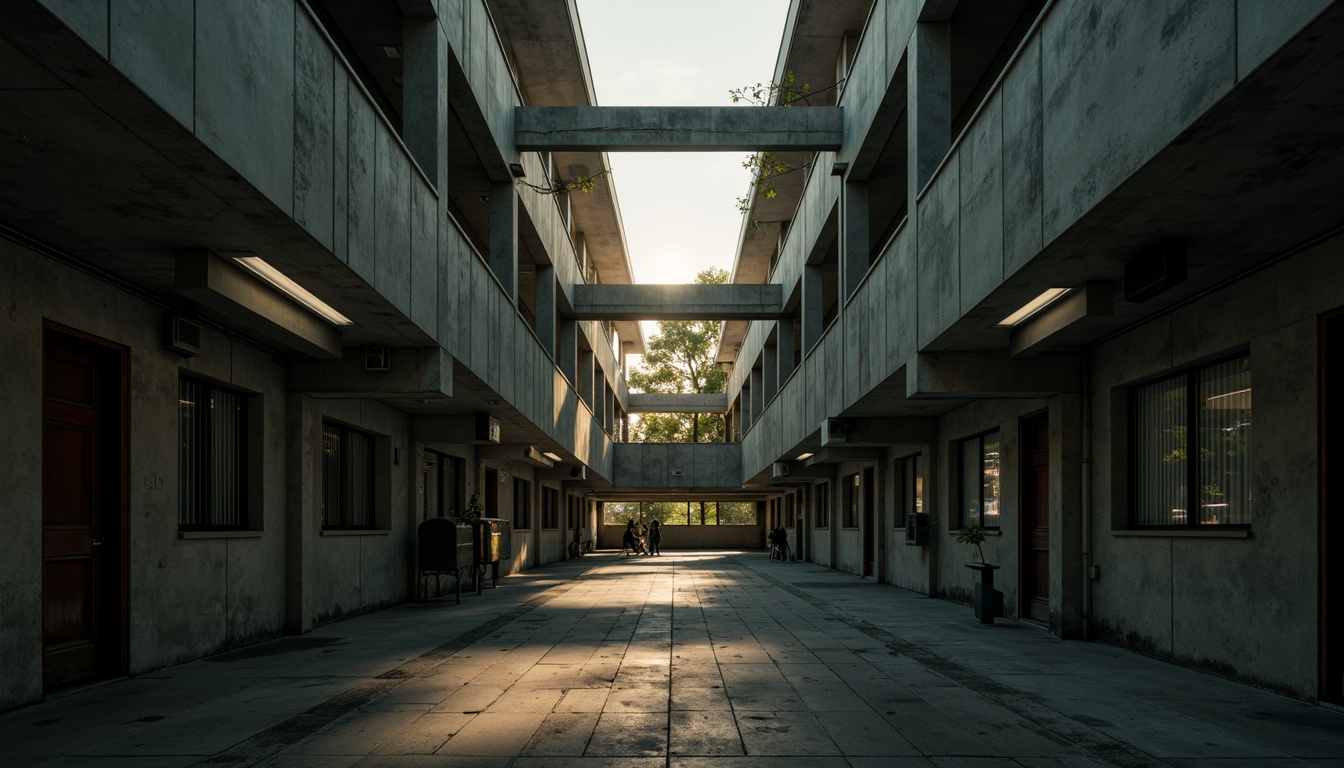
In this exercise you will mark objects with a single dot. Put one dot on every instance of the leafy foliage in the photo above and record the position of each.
(974, 534)
(680, 359)
(581, 183)
(781, 94)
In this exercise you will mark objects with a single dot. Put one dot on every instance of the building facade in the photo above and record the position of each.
(284, 278)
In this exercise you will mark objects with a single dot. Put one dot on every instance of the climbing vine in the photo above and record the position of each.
(581, 183)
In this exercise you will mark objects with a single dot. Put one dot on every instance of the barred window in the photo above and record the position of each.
(211, 457)
(1212, 403)
(347, 477)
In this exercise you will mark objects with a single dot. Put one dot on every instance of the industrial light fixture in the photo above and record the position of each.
(1048, 297)
(804, 456)
(279, 281)
(552, 456)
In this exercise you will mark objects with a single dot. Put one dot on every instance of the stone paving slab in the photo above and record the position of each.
(727, 661)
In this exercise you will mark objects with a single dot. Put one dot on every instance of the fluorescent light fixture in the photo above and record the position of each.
(803, 457)
(551, 456)
(1050, 296)
(277, 280)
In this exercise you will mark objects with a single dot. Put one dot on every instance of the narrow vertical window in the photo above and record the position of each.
(347, 477)
(979, 479)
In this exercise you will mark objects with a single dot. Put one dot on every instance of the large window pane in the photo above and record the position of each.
(970, 481)
(188, 456)
(1225, 443)
(226, 455)
(989, 495)
(333, 497)
(1160, 420)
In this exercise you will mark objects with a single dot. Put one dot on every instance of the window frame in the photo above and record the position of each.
(1190, 376)
(522, 504)
(913, 485)
(962, 516)
(204, 455)
(851, 509)
(347, 479)
(823, 512)
(550, 504)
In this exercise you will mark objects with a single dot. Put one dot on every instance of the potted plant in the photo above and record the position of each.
(988, 600)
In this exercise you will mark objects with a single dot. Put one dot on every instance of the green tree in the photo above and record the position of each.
(680, 359)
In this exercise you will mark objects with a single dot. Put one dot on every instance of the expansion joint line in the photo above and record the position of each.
(1042, 719)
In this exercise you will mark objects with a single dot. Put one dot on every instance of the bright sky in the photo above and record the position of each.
(680, 210)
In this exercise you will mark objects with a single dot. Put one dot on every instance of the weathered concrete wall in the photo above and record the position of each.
(1239, 606)
(188, 596)
(677, 465)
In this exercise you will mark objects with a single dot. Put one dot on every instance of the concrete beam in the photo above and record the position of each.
(1063, 321)
(218, 285)
(861, 432)
(677, 129)
(693, 402)
(678, 302)
(933, 375)
(425, 373)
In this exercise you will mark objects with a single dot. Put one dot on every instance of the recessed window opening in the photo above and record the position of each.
(347, 477)
(212, 457)
(979, 486)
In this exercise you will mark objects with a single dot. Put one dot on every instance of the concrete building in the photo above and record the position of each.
(1037, 246)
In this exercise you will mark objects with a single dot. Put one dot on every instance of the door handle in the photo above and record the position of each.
(99, 542)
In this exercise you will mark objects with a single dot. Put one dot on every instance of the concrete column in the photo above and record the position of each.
(585, 382)
(811, 307)
(567, 350)
(929, 113)
(757, 394)
(784, 343)
(424, 98)
(609, 412)
(504, 237)
(769, 372)
(546, 309)
(746, 407)
(1068, 568)
(581, 254)
(303, 514)
(854, 245)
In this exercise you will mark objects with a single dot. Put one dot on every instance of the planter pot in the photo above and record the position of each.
(988, 600)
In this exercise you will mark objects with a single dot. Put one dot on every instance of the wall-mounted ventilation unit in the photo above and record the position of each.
(181, 336)
(377, 358)
(779, 471)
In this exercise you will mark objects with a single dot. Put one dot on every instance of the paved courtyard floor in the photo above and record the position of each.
(694, 660)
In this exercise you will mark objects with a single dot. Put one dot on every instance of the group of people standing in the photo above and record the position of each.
(643, 540)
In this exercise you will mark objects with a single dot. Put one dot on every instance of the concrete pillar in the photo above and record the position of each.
(424, 98)
(609, 409)
(585, 382)
(784, 344)
(745, 407)
(547, 309)
(929, 112)
(757, 394)
(854, 245)
(504, 237)
(567, 350)
(581, 254)
(769, 372)
(811, 307)
(1068, 568)
(303, 499)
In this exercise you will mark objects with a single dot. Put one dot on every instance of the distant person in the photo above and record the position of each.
(629, 542)
(655, 536)
(576, 549)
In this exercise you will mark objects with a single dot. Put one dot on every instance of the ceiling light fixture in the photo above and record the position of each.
(1048, 297)
(552, 456)
(279, 281)
(804, 456)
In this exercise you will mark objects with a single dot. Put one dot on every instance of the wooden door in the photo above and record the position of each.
(1035, 518)
(1332, 509)
(83, 492)
(866, 527)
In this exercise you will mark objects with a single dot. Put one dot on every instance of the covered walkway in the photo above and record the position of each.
(702, 659)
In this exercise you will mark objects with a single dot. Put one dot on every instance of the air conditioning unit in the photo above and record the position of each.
(779, 471)
(377, 358)
(836, 431)
(182, 336)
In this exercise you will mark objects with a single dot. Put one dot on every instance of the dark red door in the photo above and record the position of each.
(867, 530)
(1035, 508)
(82, 510)
(1332, 508)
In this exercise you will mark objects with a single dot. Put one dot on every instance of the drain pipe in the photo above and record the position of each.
(1087, 493)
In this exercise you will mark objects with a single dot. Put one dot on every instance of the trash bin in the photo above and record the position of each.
(444, 545)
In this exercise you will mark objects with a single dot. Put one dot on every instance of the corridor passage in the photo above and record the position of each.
(703, 659)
